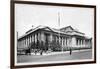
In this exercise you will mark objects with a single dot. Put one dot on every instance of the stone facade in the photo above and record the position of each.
(48, 38)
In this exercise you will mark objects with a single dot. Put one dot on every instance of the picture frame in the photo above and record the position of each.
(16, 17)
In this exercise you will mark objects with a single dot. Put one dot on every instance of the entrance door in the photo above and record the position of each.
(47, 41)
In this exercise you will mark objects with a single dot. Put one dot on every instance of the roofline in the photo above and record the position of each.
(41, 28)
(37, 28)
(67, 27)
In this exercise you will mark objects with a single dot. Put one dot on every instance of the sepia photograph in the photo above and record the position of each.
(45, 33)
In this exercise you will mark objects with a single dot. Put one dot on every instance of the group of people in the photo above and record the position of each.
(28, 52)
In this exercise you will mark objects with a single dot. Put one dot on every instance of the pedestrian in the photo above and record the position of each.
(70, 51)
(41, 52)
(35, 52)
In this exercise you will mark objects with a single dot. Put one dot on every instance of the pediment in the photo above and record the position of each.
(47, 28)
(66, 29)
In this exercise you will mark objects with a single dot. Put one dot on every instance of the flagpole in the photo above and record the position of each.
(59, 29)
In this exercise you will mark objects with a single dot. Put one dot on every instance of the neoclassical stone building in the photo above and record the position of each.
(44, 38)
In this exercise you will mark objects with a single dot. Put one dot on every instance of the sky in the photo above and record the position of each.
(27, 15)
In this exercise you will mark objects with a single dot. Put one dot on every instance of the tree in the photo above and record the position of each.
(55, 46)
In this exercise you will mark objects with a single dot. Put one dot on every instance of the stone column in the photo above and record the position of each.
(23, 42)
(50, 37)
(42, 37)
(35, 38)
(26, 41)
(62, 41)
(81, 43)
(59, 39)
(30, 39)
(84, 43)
(65, 41)
(38, 37)
(68, 42)
(73, 42)
(78, 43)
(55, 38)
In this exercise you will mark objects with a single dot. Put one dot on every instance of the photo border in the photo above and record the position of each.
(12, 32)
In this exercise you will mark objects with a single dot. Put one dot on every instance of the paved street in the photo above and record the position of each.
(87, 54)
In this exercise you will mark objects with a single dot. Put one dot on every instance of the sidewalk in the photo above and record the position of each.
(53, 53)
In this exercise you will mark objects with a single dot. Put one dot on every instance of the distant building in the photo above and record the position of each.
(45, 38)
